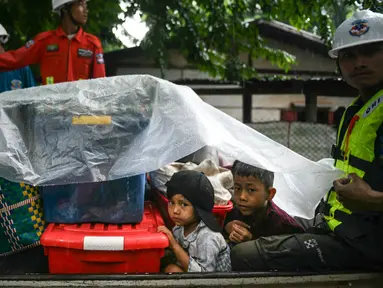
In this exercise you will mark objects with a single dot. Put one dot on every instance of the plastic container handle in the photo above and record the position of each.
(94, 243)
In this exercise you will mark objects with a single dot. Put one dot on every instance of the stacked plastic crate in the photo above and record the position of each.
(93, 227)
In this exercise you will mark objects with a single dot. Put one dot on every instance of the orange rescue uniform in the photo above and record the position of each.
(60, 59)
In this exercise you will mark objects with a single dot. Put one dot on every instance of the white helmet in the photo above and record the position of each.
(4, 36)
(362, 28)
(58, 4)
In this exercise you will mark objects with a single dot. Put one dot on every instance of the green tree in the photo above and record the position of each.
(210, 33)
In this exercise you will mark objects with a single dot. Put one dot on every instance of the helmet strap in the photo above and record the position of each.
(338, 67)
(68, 7)
(3, 39)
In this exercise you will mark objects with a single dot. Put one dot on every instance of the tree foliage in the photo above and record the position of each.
(210, 33)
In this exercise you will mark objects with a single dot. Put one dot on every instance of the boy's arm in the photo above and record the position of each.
(233, 218)
(240, 234)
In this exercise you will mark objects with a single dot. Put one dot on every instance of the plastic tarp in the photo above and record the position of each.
(127, 125)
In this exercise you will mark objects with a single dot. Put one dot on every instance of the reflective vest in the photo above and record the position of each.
(356, 152)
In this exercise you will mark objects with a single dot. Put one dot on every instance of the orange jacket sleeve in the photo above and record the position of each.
(98, 64)
(98, 58)
(24, 56)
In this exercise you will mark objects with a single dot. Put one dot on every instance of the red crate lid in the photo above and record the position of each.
(109, 237)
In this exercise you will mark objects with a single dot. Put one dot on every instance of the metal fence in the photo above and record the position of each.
(313, 141)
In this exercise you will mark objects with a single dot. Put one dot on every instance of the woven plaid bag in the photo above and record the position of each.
(21, 217)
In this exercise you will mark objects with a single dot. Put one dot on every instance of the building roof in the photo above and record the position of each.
(268, 29)
(289, 34)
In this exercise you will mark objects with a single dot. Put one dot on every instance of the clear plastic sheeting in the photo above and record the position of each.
(109, 128)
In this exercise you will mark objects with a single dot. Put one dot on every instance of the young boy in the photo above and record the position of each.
(255, 215)
(196, 240)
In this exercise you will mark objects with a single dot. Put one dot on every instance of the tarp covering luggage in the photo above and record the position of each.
(149, 123)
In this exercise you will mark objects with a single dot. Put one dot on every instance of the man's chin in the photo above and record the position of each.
(365, 85)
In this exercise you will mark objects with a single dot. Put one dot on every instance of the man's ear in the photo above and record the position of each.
(272, 192)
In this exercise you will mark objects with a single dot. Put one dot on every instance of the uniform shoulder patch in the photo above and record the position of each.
(94, 40)
(100, 58)
(29, 44)
(39, 37)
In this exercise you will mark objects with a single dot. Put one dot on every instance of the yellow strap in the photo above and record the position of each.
(332, 223)
(91, 120)
(50, 80)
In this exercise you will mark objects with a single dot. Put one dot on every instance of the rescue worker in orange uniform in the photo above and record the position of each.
(65, 54)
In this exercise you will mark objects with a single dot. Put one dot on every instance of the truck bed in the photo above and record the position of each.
(270, 280)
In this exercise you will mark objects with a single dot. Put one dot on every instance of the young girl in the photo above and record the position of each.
(196, 241)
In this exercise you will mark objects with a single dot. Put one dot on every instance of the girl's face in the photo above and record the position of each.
(181, 211)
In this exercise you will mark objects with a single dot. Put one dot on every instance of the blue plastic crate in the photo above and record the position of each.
(118, 201)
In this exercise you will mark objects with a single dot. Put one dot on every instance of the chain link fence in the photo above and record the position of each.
(313, 141)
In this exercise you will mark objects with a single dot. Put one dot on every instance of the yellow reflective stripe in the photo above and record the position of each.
(332, 223)
(50, 80)
(335, 205)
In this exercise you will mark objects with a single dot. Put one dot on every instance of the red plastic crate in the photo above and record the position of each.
(106, 248)
(219, 212)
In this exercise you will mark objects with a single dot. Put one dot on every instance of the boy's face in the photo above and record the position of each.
(250, 194)
(181, 211)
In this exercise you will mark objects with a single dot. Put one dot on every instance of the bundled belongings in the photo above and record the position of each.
(201, 155)
(220, 178)
(21, 217)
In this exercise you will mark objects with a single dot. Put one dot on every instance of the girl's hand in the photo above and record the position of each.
(172, 241)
